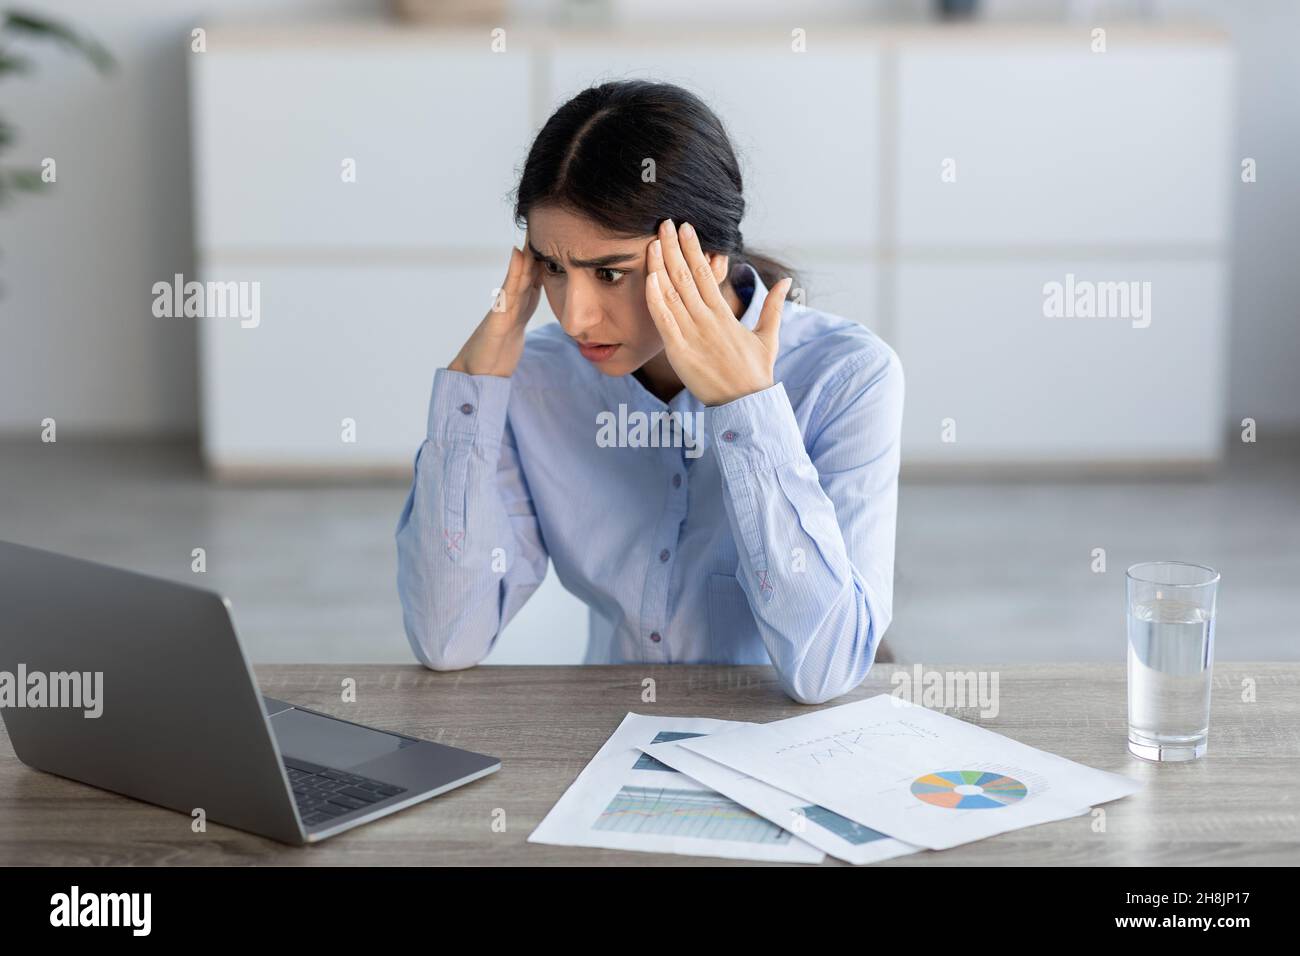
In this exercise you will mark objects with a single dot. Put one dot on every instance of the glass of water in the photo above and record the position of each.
(1170, 657)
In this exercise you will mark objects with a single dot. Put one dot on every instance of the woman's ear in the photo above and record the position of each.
(720, 264)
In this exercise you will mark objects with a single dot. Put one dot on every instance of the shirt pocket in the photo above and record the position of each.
(733, 632)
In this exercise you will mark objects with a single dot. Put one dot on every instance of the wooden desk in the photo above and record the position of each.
(1239, 805)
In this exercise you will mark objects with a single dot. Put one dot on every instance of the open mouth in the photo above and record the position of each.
(596, 351)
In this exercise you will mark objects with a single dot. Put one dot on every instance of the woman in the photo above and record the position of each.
(713, 471)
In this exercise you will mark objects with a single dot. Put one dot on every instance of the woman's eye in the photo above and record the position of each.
(551, 267)
(610, 276)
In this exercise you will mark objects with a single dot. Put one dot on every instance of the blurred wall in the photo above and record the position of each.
(80, 343)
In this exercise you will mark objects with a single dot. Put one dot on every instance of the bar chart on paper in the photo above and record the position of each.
(626, 799)
(686, 813)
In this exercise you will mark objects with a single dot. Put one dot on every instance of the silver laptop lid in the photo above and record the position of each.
(146, 691)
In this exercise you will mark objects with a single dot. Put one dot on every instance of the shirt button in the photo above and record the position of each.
(663, 555)
(466, 409)
(728, 435)
(677, 481)
(656, 637)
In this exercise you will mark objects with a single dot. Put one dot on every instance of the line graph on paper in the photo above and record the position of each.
(686, 813)
(857, 740)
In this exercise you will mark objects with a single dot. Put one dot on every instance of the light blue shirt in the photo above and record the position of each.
(756, 532)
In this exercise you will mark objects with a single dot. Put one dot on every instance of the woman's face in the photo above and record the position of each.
(595, 285)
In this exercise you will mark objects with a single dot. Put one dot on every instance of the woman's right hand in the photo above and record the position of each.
(498, 342)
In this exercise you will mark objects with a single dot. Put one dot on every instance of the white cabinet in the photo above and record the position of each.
(1105, 167)
(275, 126)
(368, 282)
(1109, 167)
(358, 343)
(991, 378)
(1063, 146)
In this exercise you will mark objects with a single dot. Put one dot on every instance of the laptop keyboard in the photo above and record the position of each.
(323, 793)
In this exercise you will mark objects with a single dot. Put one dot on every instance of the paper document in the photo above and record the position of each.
(918, 775)
(824, 829)
(625, 799)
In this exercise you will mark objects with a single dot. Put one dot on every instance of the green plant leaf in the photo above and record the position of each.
(26, 180)
(20, 180)
(9, 63)
(31, 25)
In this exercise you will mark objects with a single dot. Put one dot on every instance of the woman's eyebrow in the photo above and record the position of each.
(600, 262)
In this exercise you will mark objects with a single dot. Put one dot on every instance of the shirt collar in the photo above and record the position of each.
(748, 276)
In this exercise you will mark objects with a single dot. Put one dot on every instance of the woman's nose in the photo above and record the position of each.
(580, 313)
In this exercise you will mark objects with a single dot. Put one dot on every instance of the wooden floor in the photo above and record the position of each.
(986, 570)
(1236, 806)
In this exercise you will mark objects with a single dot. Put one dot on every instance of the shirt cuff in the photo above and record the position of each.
(467, 407)
(758, 431)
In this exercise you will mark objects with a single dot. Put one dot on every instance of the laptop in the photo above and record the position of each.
(140, 686)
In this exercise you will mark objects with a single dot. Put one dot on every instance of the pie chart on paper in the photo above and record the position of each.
(968, 789)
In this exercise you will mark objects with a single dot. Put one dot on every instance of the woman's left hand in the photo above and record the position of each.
(717, 358)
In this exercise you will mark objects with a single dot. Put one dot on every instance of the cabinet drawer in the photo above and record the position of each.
(360, 343)
(1064, 146)
(273, 128)
(977, 348)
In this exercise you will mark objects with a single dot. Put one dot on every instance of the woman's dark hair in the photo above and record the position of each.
(590, 158)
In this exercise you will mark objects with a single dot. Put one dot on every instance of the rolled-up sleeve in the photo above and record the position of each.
(814, 517)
